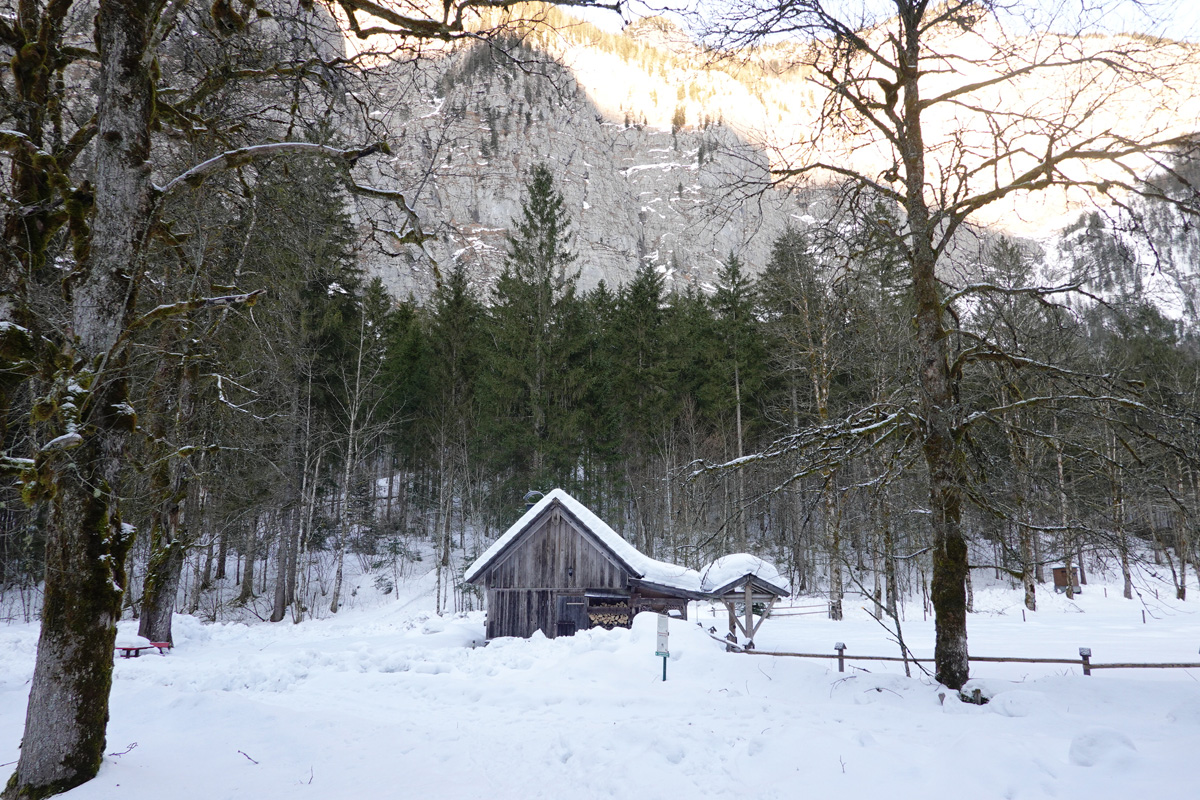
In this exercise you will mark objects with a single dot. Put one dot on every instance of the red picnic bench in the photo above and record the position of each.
(135, 650)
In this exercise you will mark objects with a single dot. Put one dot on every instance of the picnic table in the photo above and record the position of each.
(132, 646)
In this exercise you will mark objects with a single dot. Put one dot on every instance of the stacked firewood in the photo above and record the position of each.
(608, 618)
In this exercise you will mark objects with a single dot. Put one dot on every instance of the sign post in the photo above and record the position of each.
(661, 649)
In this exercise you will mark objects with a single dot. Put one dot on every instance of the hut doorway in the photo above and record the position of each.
(572, 615)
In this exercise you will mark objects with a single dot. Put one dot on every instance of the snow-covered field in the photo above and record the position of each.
(389, 701)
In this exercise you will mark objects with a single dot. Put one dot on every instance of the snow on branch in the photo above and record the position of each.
(183, 307)
(231, 159)
(415, 235)
(988, 351)
(224, 399)
(829, 445)
(1029, 402)
(10, 466)
(449, 25)
(1039, 292)
(12, 141)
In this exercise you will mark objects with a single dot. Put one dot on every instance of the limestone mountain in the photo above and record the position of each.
(657, 145)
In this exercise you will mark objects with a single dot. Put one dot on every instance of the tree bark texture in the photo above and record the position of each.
(250, 552)
(169, 538)
(64, 740)
(938, 405)
(86, 545)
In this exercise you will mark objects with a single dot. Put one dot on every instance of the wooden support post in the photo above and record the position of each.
(749, 599)
(1085, 653)
(841, 650)
(766, 613)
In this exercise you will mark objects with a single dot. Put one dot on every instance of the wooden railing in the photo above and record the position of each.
(797, 611)
(1084, 660)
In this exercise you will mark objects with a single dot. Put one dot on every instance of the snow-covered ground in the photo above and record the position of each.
(390, 701)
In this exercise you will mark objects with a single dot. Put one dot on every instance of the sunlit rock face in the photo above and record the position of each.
(662, 153)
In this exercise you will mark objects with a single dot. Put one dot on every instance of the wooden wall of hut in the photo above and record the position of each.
(537, 583)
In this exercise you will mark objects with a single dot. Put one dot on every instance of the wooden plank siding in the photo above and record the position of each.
(553, 559)
(542, 558)
(520, 612)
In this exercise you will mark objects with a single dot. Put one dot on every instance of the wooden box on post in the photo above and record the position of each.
(1060, 579)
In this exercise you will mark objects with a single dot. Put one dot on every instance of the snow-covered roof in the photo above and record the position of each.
(730, 569)
(641, 565)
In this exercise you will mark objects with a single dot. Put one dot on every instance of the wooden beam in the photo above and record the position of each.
(749, 609)
(766, 613)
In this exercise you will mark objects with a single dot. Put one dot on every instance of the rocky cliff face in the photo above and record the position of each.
(654, 148)
(466, 130)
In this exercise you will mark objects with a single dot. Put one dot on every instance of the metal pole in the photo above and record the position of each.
(664, 668)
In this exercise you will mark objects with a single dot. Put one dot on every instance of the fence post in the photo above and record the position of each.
(1085, 653)
(841, 648)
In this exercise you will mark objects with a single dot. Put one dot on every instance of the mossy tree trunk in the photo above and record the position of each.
(939, 408)
(170, 536)
(90, 420)
(86, 546)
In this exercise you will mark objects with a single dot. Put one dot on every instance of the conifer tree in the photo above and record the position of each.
(740, 363)
(536, 378)
(603, 421)
(455, 345)
(642, 398)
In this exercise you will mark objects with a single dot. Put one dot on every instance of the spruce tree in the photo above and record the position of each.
(740, 364)
(536, 376)
(602, 420)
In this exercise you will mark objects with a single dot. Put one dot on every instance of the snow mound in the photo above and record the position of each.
(731, 567)
(1018, 703)
(127, 635)
(1101, 746)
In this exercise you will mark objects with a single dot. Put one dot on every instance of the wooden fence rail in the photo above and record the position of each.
(1084, 660)
(1145, 666)
(797, 611)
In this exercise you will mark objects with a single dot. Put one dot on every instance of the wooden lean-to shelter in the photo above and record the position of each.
(745, 580)
(560, 569)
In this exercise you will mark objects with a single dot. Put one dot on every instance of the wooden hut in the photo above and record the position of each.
(560, 569)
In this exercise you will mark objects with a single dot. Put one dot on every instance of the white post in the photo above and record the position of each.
(661, 648)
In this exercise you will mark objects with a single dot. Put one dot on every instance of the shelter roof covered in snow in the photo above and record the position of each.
(731, 573)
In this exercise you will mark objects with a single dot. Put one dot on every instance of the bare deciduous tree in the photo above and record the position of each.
(952, 112)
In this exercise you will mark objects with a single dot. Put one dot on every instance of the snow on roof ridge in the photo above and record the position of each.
(738, 565)
(643, 566)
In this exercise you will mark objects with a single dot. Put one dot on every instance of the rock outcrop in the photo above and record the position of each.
(465, 132)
